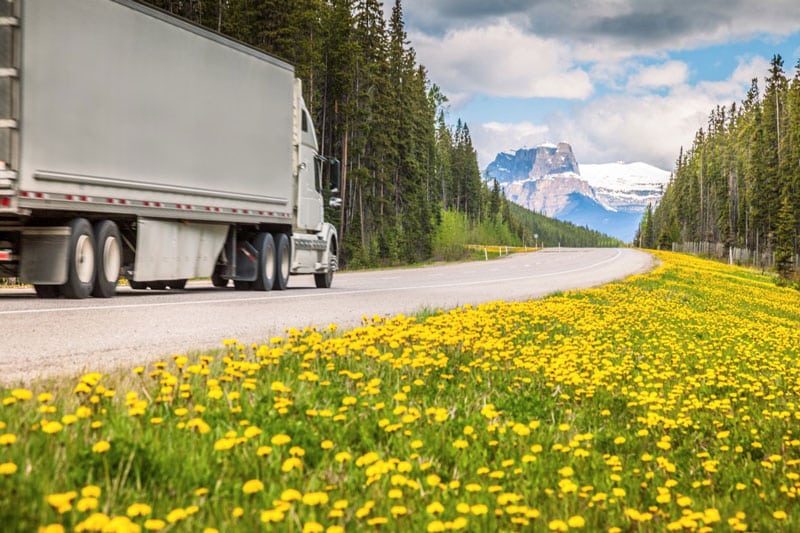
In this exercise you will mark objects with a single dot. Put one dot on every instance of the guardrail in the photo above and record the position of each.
(500, 250)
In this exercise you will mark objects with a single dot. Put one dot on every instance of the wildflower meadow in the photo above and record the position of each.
(669, 401)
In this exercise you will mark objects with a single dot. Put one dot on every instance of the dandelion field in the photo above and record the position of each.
(667, 402)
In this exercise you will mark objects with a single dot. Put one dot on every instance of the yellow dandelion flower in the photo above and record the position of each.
(176, 515)
(290, 495)
(271, 516)
(576, 521)
(566, 471)
(313, 527)
(684, 501)
(154, 524)
(87, 504)
(398, 510)
(290, 464)
(91, 491)
(263, 451)
(479, 509)
(280, 439)
(437, 526)
(139, 509)
(51, 427)
(22, 394)
(434, 508)
(433, 480)
(7, 469)
(101, 446)
(315, 498)
(95, 522)
(252, 432)
(252, 486)
(342, 457)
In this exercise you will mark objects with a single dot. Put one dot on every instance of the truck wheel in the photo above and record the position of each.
(108, 254)
(47, 291)
(265, 245)
(218, 281)
(325, 280)
(177, 284)
(80, 267)
(282, 258)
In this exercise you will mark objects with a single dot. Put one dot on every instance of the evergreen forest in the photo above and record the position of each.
(403, 166)
(739, 183)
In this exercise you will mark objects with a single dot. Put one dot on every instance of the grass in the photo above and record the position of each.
(668, 401)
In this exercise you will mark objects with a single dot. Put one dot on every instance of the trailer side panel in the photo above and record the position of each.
(113, 97)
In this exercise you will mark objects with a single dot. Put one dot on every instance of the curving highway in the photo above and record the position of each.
(53, 338)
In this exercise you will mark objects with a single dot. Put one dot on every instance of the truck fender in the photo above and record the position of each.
(331, 255)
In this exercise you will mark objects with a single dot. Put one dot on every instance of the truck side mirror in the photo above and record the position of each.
(336, 174)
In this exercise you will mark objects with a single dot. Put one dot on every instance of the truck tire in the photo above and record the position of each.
(218, 281)
(283, 256)
(80, 261)
(265, 246)
(325, 280)
(108, 258)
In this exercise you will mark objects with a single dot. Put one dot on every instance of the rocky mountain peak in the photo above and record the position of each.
(533, 163)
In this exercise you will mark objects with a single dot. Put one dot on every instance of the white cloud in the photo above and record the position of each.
(500, 60)
(664, 75)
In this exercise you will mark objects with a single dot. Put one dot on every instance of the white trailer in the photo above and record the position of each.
(135, 144)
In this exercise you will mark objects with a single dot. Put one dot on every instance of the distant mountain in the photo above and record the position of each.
(610, 198)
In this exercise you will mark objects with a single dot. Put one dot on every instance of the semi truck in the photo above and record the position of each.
(137, 145)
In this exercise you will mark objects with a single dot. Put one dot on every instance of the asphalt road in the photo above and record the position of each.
(54, 338)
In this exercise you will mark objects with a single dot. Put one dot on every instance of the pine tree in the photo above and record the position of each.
(785, 238)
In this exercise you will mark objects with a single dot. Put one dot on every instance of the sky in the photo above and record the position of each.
(620, 80)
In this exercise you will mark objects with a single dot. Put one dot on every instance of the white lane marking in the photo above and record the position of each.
(316, 294)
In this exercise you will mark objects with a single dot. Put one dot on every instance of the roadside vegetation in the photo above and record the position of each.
(669, 401)
(516, 226)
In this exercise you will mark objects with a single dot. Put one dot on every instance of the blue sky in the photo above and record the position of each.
(620, 80)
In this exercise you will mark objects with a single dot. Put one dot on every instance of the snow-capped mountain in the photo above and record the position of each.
(628, 186)
(610, 198)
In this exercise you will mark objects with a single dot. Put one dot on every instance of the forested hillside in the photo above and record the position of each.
(739, 183)
(376, 110)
